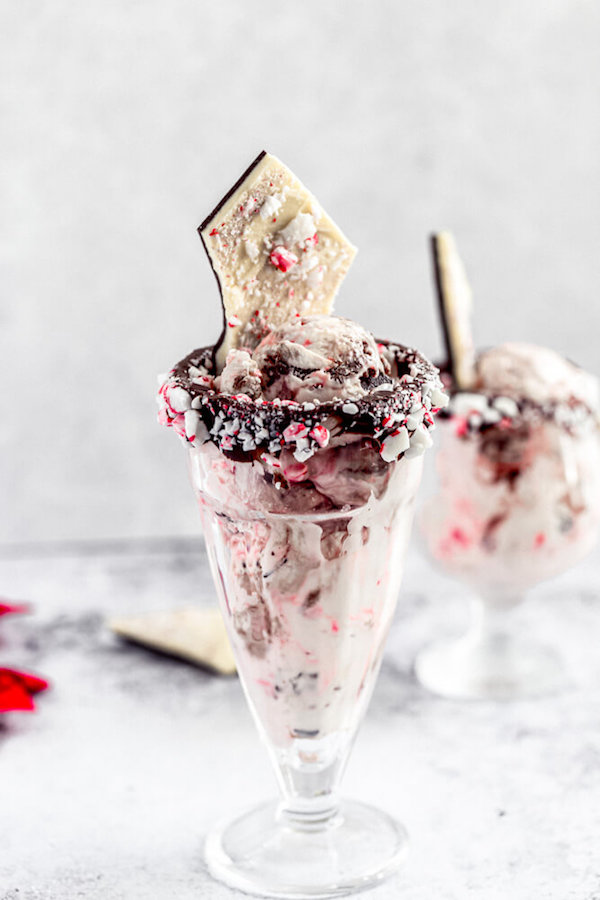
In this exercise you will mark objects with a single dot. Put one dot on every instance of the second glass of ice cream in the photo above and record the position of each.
(518, 499)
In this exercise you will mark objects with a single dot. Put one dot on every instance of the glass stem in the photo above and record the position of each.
(491, 621)
(309, 787)
(314, 814)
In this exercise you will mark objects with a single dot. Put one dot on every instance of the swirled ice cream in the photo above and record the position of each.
(306, 464)
(315, 382)
(318, 358)
(536, 375)
(305, 436)
(519, 470)
(307, 505)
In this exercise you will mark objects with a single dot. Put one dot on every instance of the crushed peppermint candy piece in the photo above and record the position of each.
(282, 259)
(415, 418)
(395, 444)
(491, 416)
(439, 399)
(464, 403)
(474, 411)
(271, 206)
(421, 438)
(506, 406)
(252, 250)
(302, 453)
(301, 228)
(295, 431)
(320, 434)
(179, 399)
(192, 417)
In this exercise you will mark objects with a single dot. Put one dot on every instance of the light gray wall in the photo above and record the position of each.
(122, 124)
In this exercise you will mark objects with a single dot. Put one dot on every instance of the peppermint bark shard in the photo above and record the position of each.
(455, 303)
(274, 252)
(197, 635)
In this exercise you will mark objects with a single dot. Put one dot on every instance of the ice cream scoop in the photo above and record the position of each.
(320, 358)
(309, 358)
(536, 374)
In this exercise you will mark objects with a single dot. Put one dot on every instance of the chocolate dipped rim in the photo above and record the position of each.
(479, 411)
(396, 413)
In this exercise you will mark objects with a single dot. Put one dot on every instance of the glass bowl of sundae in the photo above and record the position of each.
(304, 439)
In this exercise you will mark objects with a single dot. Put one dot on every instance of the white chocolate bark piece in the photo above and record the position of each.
(456, 304)
(196, 635)
(274, 251)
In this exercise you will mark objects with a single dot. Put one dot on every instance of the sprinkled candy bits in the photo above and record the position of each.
(397, 414)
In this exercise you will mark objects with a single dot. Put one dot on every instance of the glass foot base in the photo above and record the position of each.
(493, 670)
(260, 853)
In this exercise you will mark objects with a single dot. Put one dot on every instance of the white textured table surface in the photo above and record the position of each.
(108, 790)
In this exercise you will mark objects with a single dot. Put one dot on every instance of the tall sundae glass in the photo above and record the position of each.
(304, 440)
(518, 501)
(306, 541)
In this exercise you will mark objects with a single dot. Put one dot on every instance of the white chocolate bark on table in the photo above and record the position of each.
(194, 634)
(274, 252)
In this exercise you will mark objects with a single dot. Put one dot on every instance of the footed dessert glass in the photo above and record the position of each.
(517, 502)
(307, 595)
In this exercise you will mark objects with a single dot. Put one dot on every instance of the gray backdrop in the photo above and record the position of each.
(123, 123)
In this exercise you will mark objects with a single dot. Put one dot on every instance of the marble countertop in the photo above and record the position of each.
(108, 790)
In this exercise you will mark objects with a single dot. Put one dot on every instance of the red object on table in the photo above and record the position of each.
(7, 608)
(17, 688)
